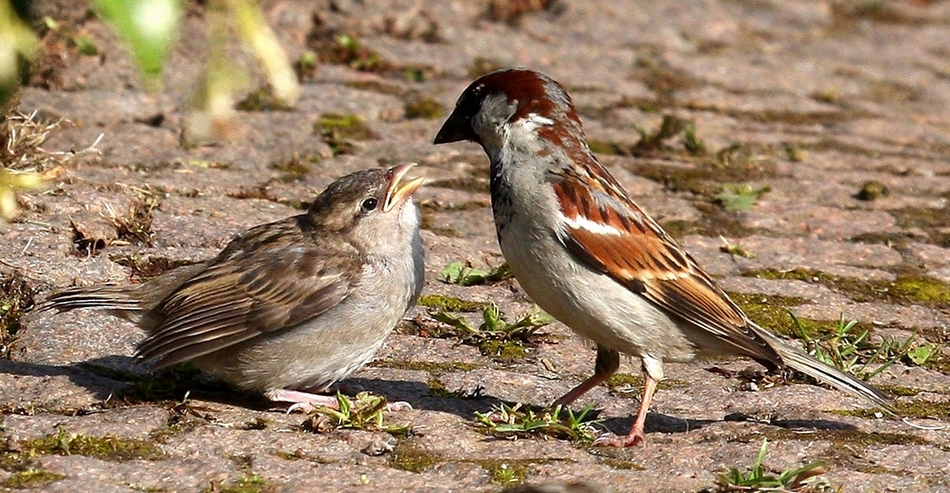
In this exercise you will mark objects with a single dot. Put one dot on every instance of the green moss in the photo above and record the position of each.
(426, 108)
(772, 312)
(604, 147)
(918, 409)
(619, 381)
(347, 126)
(435, 368)
(347, 49)
(906, 289)
(427, 224)
(407, 456)
(262, 99)
(31, 479)
(247, 484)
(502, 349)
(450, 303)
(851, 437)
(111, 448)
(897, 390)
(922, 290)
(872, 190)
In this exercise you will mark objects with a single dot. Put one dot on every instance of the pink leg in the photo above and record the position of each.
(606, 365)
(636, 435)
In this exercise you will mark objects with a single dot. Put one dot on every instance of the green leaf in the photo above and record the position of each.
(922, 353)
(739, 196)
(148, 27)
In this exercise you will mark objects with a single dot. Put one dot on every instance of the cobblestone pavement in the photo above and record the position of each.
(827, 104)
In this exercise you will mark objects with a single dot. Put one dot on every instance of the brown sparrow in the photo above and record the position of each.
(290, 307)
(591, 257)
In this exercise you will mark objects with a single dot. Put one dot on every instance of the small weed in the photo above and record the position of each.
(463, 274)
(24, 163)
(363, 413)
(148, 267)
(347, 49)
(792, 479)
(306, 65)
(16, 297)
(504, 473)
(135, 225)
(734, 249)
(262, 99)
(514, 422)
(850, 350)
(739, 196)
(671, 126)
(495, 336)
(31, 479)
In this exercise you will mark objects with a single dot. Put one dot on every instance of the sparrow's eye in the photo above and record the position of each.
(369, 204)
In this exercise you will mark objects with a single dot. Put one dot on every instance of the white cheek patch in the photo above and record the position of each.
(581, 222)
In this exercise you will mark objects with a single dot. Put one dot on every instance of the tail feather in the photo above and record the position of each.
(114, 298)
(799, 360)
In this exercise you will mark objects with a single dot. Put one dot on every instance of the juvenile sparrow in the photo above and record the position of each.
(290, 307)
(591, 257)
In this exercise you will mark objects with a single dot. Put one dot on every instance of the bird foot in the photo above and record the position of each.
(611, 440)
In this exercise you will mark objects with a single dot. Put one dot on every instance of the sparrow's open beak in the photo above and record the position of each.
(456, 128)
(400, 191)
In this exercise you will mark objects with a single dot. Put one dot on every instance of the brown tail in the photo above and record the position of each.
(798, 360)
(113, 298)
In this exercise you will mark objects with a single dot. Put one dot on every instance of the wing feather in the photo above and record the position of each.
(636, 252)
(261, 283)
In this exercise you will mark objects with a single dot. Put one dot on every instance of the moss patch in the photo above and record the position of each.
(247, 484)
(407, 456)
(772, 312)
(435, 368)
(506, 472)
(918, 409)
(31, 479)
(502, 349)
(906, 289)
(425, 108)
(111, 448)
(617, 381)
(621, 464)
(450, 303)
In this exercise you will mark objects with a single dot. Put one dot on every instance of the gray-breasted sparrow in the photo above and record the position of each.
(290, 307)
(591, 257)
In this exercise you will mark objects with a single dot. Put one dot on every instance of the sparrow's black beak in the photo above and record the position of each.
(458, 127)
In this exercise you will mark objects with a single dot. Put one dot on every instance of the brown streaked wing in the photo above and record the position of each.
(224, 305)
(646, 260)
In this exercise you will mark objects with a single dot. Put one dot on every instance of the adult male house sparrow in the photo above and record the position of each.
(290, 307)
(591, 257)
